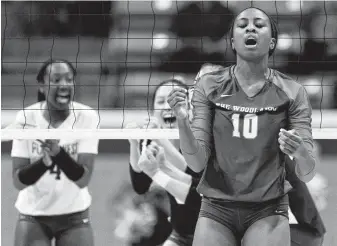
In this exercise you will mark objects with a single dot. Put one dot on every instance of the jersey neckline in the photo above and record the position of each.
(47, 124)
(267, 82)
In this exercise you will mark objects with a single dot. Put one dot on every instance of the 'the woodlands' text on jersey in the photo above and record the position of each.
(54, 193)
(240, 134)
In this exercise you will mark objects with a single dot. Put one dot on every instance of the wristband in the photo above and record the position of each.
(30, 174)
(161, 179)
(68, 165)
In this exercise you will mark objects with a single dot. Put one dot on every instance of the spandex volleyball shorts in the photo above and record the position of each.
(239, 216)
(58, 223)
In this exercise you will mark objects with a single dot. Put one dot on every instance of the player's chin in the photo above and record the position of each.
(253, 53)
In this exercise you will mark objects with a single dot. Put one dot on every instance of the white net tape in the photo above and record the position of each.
(8, 134)
(112, 122)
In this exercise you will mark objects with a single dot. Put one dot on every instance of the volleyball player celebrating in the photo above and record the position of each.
(170, 172)
(239, 137)
(53, 175)
(305, 200)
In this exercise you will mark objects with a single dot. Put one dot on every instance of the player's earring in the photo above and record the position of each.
(272, 44)
(232, 43)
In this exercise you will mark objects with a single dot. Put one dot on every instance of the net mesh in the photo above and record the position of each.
(122, 50)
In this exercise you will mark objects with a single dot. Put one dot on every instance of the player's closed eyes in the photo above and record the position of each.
(258, 24)
(242, 24)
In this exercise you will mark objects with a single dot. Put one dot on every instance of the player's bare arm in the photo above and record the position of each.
(293, 145)
(196, 151)
(175, 173)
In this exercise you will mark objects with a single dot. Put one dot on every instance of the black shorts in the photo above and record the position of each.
(181, 240)
(54, 225)
(239, 216)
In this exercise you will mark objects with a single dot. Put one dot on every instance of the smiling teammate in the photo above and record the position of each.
(52, 176)
(172, 173)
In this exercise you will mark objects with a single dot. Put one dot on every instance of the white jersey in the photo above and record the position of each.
(54, 193)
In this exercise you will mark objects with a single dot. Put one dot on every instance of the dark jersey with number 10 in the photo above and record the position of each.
(240, 134)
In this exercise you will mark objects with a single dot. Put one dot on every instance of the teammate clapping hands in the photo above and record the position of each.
(169, 171)
(154, 164)
(52, 175)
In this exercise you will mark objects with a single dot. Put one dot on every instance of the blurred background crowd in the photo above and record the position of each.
(123, 49)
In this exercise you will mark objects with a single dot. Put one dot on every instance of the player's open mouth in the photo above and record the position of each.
(169, 119)
(62, 98)
(251, 42)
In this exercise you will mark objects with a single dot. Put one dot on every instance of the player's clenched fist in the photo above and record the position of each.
(290, 142)
(177, 100)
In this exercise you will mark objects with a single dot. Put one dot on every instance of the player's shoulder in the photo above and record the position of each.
(81, 106)
(214, 71)
(84, 111)
(85, 114)
(213, 75)
(29, 115)
(288, 85)
(209, 68)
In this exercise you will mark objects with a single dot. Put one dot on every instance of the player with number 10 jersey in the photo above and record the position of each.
(252, 124)
(246, 119)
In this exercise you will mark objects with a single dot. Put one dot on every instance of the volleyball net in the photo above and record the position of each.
(136, 45)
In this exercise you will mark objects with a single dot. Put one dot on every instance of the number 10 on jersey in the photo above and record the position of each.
(250, 126)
